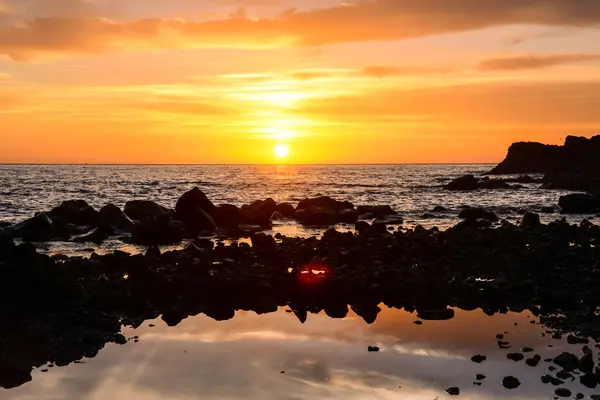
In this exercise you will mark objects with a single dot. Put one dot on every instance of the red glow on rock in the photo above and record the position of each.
(313, 274)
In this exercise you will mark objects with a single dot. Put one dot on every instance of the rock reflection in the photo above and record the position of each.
(323, 358)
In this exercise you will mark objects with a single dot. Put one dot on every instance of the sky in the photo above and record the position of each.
(227, 81)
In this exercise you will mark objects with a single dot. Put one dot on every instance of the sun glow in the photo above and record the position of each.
(281, 150)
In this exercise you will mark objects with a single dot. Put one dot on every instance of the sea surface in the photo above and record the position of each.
(275, 356)
(412, 190)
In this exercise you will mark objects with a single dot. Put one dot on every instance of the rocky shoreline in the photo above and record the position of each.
(60, 309)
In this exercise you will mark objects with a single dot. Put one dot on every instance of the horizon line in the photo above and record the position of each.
(239, 164)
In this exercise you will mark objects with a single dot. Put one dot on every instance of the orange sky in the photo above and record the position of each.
(225, 81)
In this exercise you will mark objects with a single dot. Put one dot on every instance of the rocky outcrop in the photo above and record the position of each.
(111, 217)
(258, 212)
(573, 166)
(325, 211)
(470, 182)
(475, 213)
(76, 212)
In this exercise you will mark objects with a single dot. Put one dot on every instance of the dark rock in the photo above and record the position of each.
(567, 361)
(515, 357)
(261, 240)
(572, 339)
(477, 214)
(497, 184)
(362, 227)
(158, 231)
(192, 200)
(563, 392)
(227, 216)
(533, 361)
(440, 209)
(389, 220)
(111, 217)
(77, 212)
(527, 157)
(480, 377)
(478, 359)
(436, 314)
(547, 210)
(286, 210)
(510, 382)
(464, 183)
(318, 216)
(258, 212)
(325, 202)
(139, 210)
(373, 349)
(586, 363)
(579, 203)
(348, 216)
(153, 251)
(589, 380)
(531, 221)
(453, 391)
(376, 211)
(96, 235)
(36, 229)
(197, 221)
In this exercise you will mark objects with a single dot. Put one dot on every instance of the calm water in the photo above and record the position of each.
(412, 190)
(322, 359)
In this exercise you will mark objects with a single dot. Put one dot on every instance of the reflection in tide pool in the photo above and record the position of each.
(274, 356)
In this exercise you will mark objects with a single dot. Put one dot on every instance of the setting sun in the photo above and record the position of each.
(281, 150)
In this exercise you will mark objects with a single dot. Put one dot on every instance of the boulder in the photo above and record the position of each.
(96, 235)
(496, 184)
(197, 220)
(348, 216)
(579, 203)
(325, 202)
(318, 216)
(547, 210)
(477, 214)
(464, 183)
(286, 210)
(158, 231)
(258, 212)
(440, 209)
(192, 200)
(227, 215)
(531, 221)
(77, 212)
(111, 217)
(389, 220)
(139, 210)
(36, 229)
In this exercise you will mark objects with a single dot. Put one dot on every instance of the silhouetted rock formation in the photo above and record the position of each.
(470, 182)
(574, 166)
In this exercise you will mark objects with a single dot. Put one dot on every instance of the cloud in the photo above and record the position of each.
(60, 33)
(521, 62)
(380, 71)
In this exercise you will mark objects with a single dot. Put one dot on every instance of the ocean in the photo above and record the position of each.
(412, 190)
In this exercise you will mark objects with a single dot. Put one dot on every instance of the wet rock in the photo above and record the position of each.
(567, 361)
(227, 215)
(96, 235)
(258, 212)
(480, 377)
(192, 200)
(478, 359)
(586, 363)
(376, 211)
(158, 231)
(440, 209)
(373, 349)
(563, 392)
(139, 210)
(515, 357)
(36, 229)
(389, 220)
(477, 214)
(348, 216)
(260, 240)
(589, 380)
(111, 217)
(77, 212)
(197, 221)
(531, 221)
(579, 203)
(548, 210)
(572, 339)
(510, 382)
(533, 361)
(286, 210)
(325, 202)
(318, 216)
(463, 183)
(552, 380)
(453, 391)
